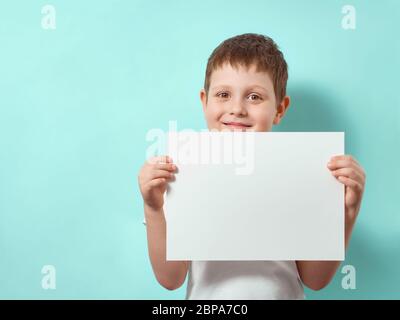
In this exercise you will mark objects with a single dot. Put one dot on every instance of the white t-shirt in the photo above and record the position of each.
(243, 280)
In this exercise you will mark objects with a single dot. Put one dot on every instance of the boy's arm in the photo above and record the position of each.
(153, 180)
(170, 274)
(317, 274)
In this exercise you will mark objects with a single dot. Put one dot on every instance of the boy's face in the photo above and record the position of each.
(241, 99)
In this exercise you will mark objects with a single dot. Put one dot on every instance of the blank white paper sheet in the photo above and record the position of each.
(254, 196)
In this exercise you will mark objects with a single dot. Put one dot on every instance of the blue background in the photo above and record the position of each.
(76, 103)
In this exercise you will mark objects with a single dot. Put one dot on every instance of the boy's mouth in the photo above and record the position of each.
(236, 125)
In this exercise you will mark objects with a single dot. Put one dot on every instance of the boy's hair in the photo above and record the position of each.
(248, 49)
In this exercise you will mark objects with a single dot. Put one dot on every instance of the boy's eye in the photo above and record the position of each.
(223, 95)
(254, 97)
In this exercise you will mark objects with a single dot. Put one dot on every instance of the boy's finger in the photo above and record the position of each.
(160, 159)
(164, 159)
(339, 156)
(350, 173)
(338, 164)
(341, 163)
(351, 183)
(165, 166)
(156, 182)
(160, 174)
(345, 157)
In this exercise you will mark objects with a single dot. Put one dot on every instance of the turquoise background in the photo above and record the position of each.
(76, 103)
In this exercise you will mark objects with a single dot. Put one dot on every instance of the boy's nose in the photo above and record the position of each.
(238, 109)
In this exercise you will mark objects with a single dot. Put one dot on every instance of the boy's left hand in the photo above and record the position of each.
(349, 172)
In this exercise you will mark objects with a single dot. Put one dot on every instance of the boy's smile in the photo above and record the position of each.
(241, 99)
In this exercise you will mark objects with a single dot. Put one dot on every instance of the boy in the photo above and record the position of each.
(245, 89)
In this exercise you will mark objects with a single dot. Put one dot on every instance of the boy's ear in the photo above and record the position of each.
(281, 109)
(203, 98)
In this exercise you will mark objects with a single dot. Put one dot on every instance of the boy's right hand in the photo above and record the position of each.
(153, 179)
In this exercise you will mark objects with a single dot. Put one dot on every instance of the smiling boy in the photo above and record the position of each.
(244, 89)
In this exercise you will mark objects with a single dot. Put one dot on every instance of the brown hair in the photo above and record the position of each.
(248, 49)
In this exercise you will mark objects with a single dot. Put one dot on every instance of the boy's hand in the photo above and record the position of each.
(348, 171)
(153, 178)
